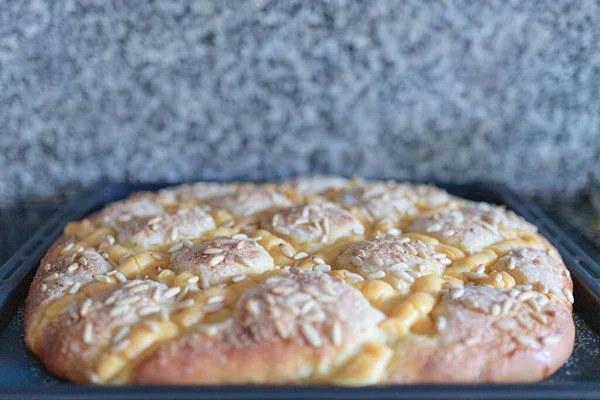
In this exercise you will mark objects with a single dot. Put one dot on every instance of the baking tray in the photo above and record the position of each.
(23, 376)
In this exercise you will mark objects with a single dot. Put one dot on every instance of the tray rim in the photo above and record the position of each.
(86, 201)
(588, 390)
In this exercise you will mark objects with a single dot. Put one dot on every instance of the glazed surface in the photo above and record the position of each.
(312, 280)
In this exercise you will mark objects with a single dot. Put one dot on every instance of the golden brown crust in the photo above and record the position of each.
(314, 280)
(199, 191)
(314, 187)
(397, 260)
(61, 275)
(74, 342)
(219, 259)
(379, 200)
(250, 199)
(312, 225)
(477, 347)
(472, 227)
(289, 328)
(148, 232)
(36, 296)
(126, 210)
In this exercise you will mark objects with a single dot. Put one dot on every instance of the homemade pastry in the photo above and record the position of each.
(317, 280)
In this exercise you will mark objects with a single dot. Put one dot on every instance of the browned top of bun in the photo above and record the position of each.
(316, 280)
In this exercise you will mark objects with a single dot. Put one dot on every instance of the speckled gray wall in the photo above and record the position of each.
(501, 90)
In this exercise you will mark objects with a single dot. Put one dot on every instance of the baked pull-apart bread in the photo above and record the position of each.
(317, 280)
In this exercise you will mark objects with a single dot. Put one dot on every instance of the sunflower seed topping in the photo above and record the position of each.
(88, 333)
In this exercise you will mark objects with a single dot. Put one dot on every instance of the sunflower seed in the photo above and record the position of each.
(75, 288)
(175, 248)
(311, 335)
(214, 307)
(550, 340)
(376, 275)
(88, 333)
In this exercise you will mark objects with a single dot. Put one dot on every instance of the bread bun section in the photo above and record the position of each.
(315, 280)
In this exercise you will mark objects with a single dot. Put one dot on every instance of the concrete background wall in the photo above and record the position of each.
(459, 90)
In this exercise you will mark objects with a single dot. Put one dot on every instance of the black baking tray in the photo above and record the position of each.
(23, 376)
